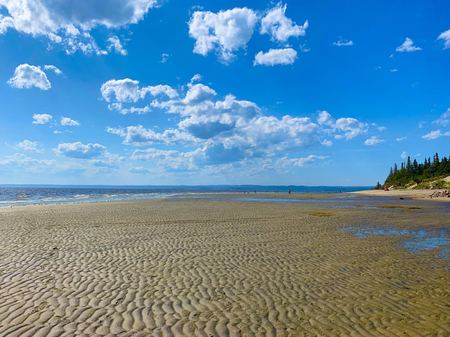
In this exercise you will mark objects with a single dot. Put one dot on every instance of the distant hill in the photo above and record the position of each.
(411, 174)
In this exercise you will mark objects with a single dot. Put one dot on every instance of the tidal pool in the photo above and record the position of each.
(417, 240)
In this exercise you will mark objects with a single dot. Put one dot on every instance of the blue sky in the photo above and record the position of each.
(212, 92)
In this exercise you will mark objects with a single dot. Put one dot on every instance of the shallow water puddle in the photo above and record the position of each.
(420, 240)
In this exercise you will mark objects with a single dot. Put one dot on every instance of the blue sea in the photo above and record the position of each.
(22, 195)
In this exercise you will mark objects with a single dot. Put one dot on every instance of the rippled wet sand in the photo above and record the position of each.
(217, 268)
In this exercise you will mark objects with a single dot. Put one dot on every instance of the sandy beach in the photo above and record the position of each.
(416, 194)
(182, 267)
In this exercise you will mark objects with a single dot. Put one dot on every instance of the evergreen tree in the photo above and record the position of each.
(418, 172)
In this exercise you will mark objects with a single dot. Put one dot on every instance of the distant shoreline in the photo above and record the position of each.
(219, 187)
(415, 194)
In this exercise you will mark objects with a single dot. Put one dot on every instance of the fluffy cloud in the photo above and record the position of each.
(446, 37)
(114, 43)
(444, 119)
(118, 92)
(276, 56)
(404, 155)
(342, 43)
(435, 134)
(66, 121)
(224, 32)
(196, 78)
(41, 118)
(140, 136)
(374, 140)
(279, 26)
(27, 76)
(300, 162)
(198, 93)
(380, 128)
(400, 139)
(51, 67)
(68, 22)
(228, 31)
(27, 145)
(79, 150)
(351, 127)
(407, 46)
(226, 130)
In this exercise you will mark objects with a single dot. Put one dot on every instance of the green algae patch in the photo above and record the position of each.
(322, 214)
(391, 206)
(414, 207)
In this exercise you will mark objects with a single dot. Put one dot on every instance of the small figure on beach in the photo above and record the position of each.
(289, 191)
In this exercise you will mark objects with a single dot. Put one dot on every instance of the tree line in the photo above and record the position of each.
(411, 172)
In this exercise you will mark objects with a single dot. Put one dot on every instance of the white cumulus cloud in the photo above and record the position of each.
(118, 92)
(343, 43)
(41, 118)
(444, 119)
(79, 150)
(140, 136)
(374, 140)
(66, 121)
(446, 37)
(28, 145)
(114, 43)
(224, 32)
(300, 162)
(55, 69)
(404, 155)
(276, 56)
(279, 27)
(350, 127)
(225, 130)
(68, 22)
(407, 46)
(27, 76)
(435, 134)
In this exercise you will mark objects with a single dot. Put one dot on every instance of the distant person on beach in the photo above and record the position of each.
(289, 191)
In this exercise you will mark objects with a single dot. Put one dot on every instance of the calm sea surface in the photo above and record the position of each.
(32, 195)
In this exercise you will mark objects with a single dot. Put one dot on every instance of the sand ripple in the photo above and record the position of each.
(204, 268)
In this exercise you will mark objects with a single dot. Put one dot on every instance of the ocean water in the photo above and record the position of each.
(18, 195)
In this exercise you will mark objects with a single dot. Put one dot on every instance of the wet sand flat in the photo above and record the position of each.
(218, 268)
